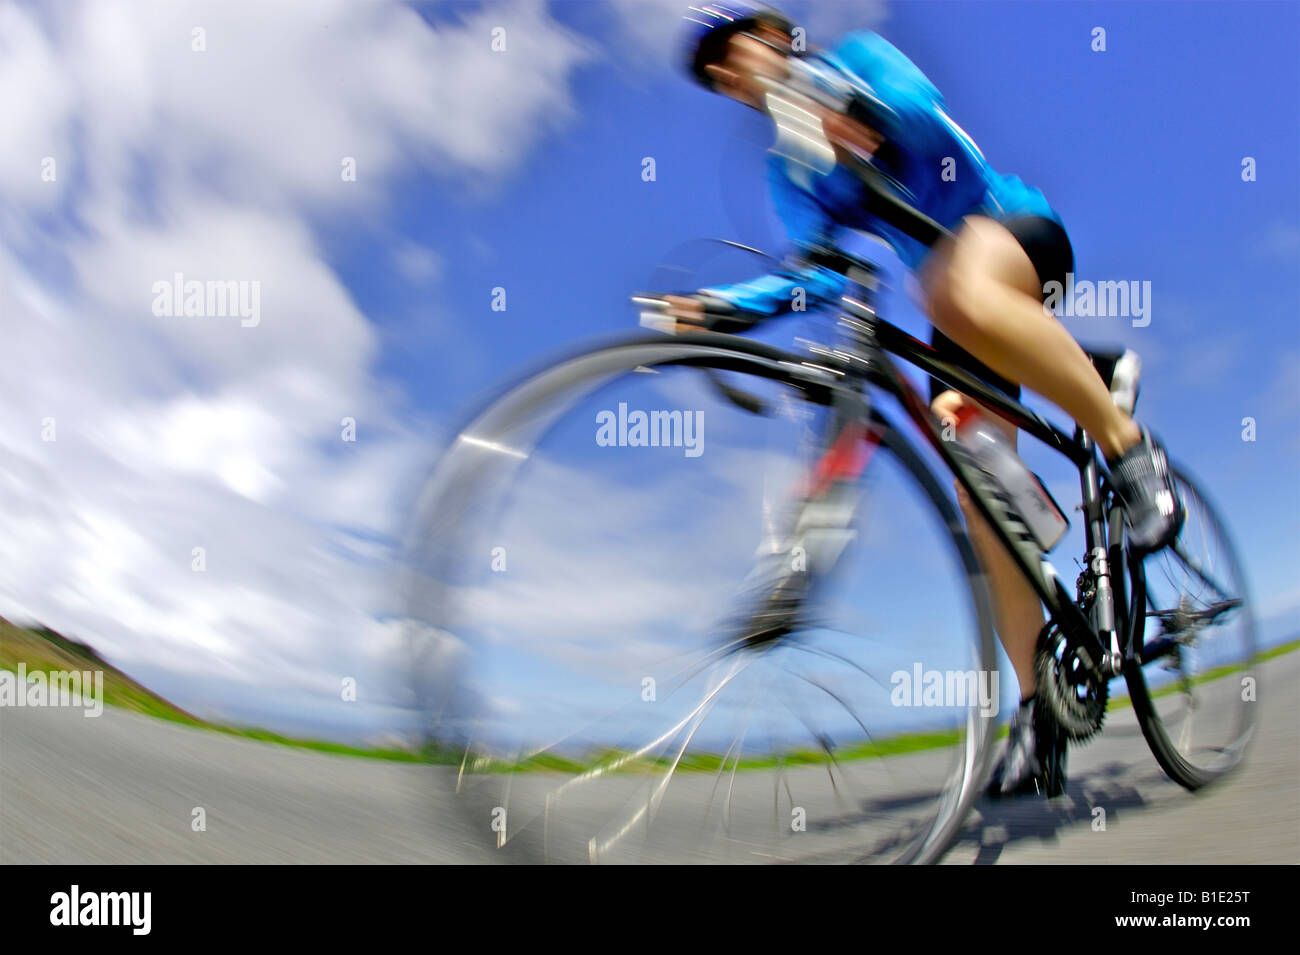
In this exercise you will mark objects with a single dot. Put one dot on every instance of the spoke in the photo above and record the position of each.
(884, 762)
(731, 781)
(733, 747)
(838, 699)
(831, 654)
(821, 739)
(692, 670)
(737, 746)
(778, 777)
(1192, 566)
(524, 755)
(598, 771)
(647, 811)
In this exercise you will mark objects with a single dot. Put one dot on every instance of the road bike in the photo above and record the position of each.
(611, 674)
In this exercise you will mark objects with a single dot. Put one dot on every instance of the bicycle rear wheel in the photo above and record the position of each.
(588, 703)
(1192, 673)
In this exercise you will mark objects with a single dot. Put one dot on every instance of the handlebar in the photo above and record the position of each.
(654, 306)
(654, 309)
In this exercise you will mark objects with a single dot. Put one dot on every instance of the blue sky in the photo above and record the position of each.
(523, 170)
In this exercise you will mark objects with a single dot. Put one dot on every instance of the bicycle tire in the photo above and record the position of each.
(1191, 773)
(457, 478)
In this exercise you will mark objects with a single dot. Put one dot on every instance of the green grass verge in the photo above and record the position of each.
(1218, 673)
(44, 650)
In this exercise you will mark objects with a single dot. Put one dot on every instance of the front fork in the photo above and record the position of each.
(1095, 593)
(809, 537)
(832, 492)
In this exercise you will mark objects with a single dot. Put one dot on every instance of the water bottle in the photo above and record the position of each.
(1029, 499)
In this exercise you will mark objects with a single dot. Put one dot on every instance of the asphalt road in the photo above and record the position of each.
(123, 788)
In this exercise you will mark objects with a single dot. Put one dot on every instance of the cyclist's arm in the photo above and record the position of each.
(916, 124)
(743, 304)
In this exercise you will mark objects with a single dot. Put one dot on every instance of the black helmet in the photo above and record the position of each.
(710, 26)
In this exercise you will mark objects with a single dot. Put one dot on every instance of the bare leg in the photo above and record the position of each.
(984, 294)
(1017, 612)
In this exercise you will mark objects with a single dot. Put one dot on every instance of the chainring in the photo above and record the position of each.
(1075, 700)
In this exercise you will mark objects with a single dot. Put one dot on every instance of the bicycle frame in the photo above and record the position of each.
(863, 359)
(870, 341)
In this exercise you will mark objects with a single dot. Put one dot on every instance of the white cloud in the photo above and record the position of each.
(179, 433)
(651, 31)
(417, 263)
(174, 433)
(1280, 240)
(279, 95)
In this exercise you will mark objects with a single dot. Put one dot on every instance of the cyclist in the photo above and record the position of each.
(984, 289)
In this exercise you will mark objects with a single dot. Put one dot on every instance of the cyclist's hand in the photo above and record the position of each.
(688, 311)
(847, 133)
(677, 314)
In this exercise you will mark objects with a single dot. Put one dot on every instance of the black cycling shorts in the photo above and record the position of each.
(1049, 249)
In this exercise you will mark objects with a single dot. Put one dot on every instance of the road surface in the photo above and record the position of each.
(124, 788)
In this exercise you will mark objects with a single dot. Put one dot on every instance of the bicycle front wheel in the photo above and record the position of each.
(1191, 672)
(568, 602)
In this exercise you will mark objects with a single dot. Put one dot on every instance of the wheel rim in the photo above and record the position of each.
(655, 780)
(1198, 637)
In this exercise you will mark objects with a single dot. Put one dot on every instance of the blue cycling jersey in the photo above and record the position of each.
(937, 166)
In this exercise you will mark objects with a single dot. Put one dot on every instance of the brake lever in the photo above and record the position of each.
(654, 313)
(656, 318)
